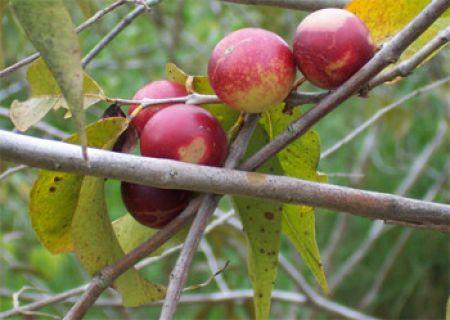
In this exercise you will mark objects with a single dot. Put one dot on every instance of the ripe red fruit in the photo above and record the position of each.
(155, 90)
(330, 45)
(251, 70)
(186, 133)
(153, 207)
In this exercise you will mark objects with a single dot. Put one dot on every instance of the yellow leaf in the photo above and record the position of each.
(385, 18)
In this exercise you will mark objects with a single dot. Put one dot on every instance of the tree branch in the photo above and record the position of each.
(379, 114)
(163, 173)
(388, 54)
(306, 5)
(378, 227)
(406, 67)
(116, 30)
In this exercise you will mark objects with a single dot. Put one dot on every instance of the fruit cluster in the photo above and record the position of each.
(250, 70)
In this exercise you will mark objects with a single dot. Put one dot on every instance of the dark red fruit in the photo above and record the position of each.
(330, 45)
(155, 90)
(186, 133)
(252, 70)
(153, 207)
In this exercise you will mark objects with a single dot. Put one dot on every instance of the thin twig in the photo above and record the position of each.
(215, 297)
(12, 170)
(378, 227)
(213, 265)
(406, 67)
(399, 245)
(379, 114)
(96, 17)
(316, 299)
(307, 5)
(116, 30)
(340, 227)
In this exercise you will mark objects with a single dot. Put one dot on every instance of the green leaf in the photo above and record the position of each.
(262, 227)
(46, 95)
(97, 246)
(300, 160)
(54, 195)
(200, 84)
(49, 27)
(131, 233)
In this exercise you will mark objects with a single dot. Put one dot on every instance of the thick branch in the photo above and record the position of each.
(387, 55)
(53, 155)
(306, 5)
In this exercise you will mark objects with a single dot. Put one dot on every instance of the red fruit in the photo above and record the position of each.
(153, 207)
(251, 70)
(186, 133)
(330, 45)
(155, 90)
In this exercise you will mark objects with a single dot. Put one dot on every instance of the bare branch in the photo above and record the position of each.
(388, 54)
(12, 170)
(306, 5)
(406, 67)
(316, 299)
(340, 227)
(379, 114)
(236, 295)
(378, 227)
(96, 17)
(116, 30)
(213, 265)
(399, 245)
(162, 173)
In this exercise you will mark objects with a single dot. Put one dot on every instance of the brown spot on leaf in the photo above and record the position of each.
(57, 179)
(52, 189)
(268, 215)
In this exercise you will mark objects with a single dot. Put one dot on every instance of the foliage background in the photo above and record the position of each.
(185, 32)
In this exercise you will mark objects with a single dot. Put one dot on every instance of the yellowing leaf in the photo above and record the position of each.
(49, 27)
(46, 95)
(97, 246)
(385, 18)
(300, 160)
(54, 195)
